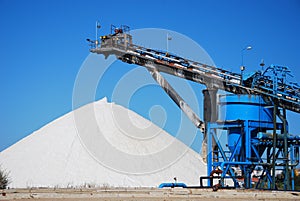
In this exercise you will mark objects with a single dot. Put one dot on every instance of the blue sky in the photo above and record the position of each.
(43, 45)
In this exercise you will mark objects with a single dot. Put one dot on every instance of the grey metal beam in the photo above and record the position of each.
(176, 98)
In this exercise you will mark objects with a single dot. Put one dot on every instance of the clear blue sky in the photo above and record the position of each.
(43, 45)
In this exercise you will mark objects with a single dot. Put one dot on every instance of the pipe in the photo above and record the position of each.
(172, 185)
(253, 163)
(233, 163)
(238, 163)
(216, 171)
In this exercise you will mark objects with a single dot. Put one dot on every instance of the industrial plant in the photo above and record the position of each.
(258, 143)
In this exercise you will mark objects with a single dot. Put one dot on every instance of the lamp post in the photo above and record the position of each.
(246, 48)
(242, 65)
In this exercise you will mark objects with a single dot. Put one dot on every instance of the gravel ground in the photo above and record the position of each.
(147, 194)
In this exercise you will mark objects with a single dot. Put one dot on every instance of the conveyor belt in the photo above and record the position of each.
(275, 88)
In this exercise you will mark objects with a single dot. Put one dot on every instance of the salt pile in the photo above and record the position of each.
(100, 144)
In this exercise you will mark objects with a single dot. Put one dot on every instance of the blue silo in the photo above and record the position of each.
(245, 108)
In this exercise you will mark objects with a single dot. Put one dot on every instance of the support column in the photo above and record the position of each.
(210, 115)
(273, 185)
(247, 134)
(208, 148)
(292, 150)
(286, 156)
(178, 100)
(210, 105)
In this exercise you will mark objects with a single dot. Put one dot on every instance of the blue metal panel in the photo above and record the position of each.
(234, 140)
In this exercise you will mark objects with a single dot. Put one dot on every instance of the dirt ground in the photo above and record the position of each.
(145, 194)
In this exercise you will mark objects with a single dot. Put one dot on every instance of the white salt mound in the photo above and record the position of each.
(101, 144)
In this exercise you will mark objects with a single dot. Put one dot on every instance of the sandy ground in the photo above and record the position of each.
(147, 194)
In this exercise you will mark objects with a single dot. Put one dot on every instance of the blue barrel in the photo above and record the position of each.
(243, 107)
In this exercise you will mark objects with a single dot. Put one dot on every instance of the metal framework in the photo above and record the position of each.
(257, 154)
(260, 150)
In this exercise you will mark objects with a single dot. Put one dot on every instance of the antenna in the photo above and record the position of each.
(262, 64)
(98, 26)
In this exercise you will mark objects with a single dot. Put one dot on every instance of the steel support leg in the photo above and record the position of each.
(209, 151)
(273, 185)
